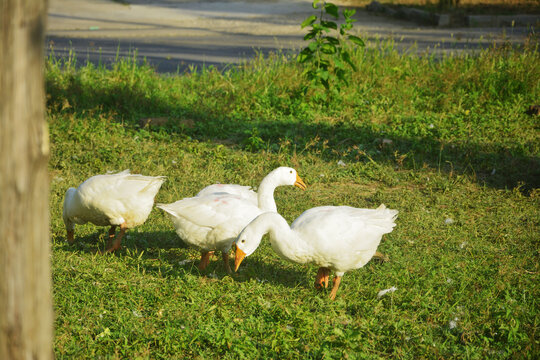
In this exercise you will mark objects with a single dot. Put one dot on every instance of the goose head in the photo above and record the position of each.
(286, 176)
(246, 243)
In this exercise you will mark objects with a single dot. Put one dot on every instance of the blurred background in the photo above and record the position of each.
(173, 35)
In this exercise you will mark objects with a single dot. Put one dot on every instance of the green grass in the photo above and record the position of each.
(461, 148)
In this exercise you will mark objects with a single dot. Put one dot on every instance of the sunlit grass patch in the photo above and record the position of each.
(444, 141)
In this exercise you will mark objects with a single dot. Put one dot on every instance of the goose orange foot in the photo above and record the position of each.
(115, 243)
(337, 280)
(205, 260)
(322, 278)
(381, 257)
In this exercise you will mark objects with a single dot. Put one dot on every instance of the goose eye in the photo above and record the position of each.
(290, 172)
(243, 240)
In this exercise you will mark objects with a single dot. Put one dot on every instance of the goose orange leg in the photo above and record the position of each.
(322, 278)
(225, 256)
(337, 280)
(71, 237)
(380, 256)
(112, 231)
(205, 259)
(114, 243)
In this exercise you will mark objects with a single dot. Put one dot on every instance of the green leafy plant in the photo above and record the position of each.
(253, 142)
(327, 57)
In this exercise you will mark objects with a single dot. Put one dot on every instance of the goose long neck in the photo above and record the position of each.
(275, 225)
(284, 241)
(265, 194)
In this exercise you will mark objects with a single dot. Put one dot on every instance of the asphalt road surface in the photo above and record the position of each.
(173, 35)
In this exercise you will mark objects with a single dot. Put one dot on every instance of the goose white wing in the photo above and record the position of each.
(245, 192)
(120, 186)
(210, 222)
(332, 220)
(119, 197)
(335, 232)
(212, 210)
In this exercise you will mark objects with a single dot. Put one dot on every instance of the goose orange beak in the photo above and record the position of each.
(300, 183)
(238, 257)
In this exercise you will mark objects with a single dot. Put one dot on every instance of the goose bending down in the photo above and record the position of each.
(121, 199)
(338, 238)
(213, 221)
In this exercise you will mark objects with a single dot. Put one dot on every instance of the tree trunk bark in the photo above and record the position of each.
(25, 280)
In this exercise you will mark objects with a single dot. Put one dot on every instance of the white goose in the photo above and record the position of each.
(264, 197)
(213, 221)
(338, 238)
(121, 199)
(245, 192)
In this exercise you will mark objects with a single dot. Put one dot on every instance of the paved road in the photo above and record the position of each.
(174, 34)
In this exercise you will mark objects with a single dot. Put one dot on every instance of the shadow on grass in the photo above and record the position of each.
(273, 272)
(252, 268)
(166, 248)
(495, 165)
(90, 244)
(132, 241)
(162, 252)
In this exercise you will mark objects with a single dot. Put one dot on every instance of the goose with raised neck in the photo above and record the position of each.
(264, 197)
(212, 221)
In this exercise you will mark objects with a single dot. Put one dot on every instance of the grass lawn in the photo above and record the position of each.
(444, 141)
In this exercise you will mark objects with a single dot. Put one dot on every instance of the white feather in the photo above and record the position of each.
(245, 192)
(112, 199)
(212, 220)
(340, 238)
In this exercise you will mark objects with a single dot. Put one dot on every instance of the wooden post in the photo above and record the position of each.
(26, 329)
